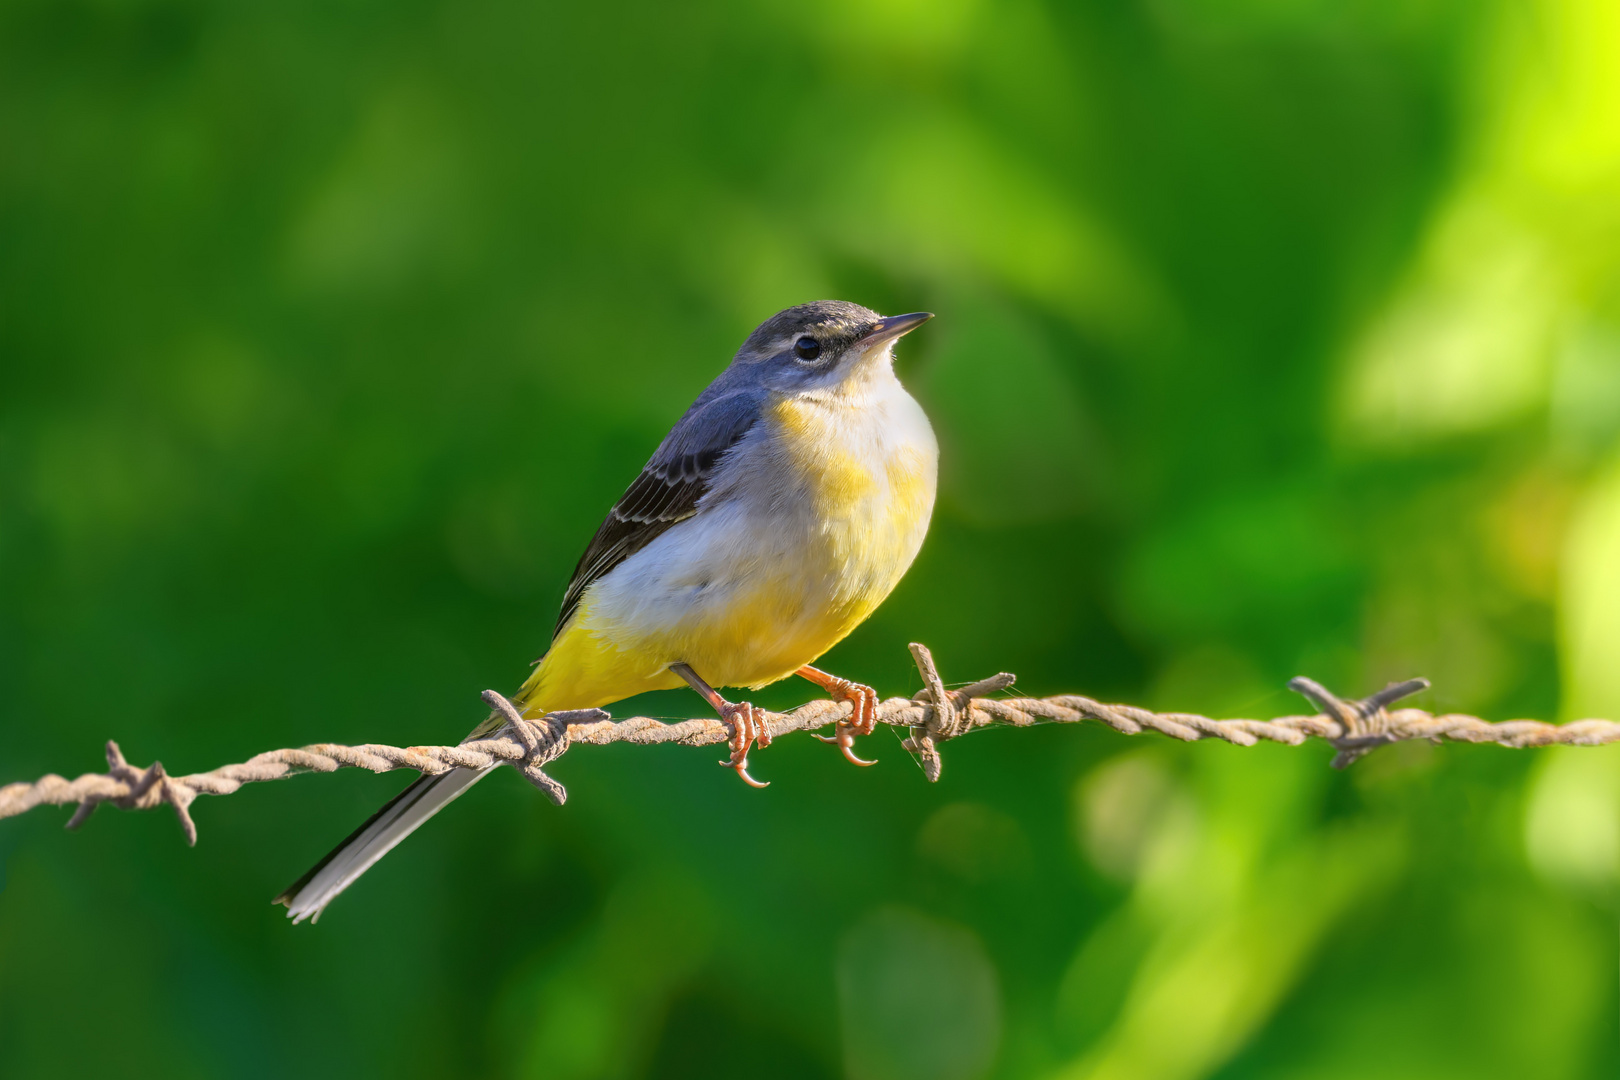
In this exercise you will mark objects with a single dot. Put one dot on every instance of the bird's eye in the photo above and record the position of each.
(807, 348)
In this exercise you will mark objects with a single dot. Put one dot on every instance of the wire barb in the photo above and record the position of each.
(143, 789)
(932, 716)
(943, 711)
(1366, 722)
(543, 741)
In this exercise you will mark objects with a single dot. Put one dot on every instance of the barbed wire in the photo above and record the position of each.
(933, 715)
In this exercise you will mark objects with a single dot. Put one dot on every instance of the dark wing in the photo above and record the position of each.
(667, 491)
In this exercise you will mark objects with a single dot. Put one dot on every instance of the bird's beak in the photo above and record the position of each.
(893, 327)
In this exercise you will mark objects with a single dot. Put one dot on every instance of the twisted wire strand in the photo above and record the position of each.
(934, 715)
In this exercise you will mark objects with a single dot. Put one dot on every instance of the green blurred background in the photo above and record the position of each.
(1275, 337)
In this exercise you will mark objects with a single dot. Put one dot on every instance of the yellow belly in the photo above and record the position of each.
(803, 572)
(744, 646)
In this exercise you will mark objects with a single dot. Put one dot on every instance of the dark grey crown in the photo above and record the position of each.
(835, 323)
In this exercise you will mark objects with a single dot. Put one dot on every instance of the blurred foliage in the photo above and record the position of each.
(1275, 337)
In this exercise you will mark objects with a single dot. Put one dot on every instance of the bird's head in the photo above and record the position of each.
(822, 345)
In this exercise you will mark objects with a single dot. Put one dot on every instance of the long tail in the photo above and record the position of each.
(307, 897)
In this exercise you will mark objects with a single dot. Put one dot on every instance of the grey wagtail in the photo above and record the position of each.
(771, 521)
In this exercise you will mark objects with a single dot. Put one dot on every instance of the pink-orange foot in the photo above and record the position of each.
(862, 719)
(747, 727)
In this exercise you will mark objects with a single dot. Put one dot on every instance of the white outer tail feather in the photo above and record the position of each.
(308, 897)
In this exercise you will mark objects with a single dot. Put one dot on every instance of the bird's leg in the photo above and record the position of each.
(747, 728)
(861, 721)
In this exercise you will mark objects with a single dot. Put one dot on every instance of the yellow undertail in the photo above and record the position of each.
(580, 671)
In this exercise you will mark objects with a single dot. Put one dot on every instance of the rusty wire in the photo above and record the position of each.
(934, 715)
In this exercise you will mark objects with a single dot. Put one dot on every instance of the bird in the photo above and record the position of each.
(774, 518)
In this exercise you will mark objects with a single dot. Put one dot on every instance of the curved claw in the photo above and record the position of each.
(849, 754)
(742, 771)
(844, 736)
(746, 731)
(862, 716)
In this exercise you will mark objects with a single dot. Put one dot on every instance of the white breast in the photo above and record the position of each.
(810, 523)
